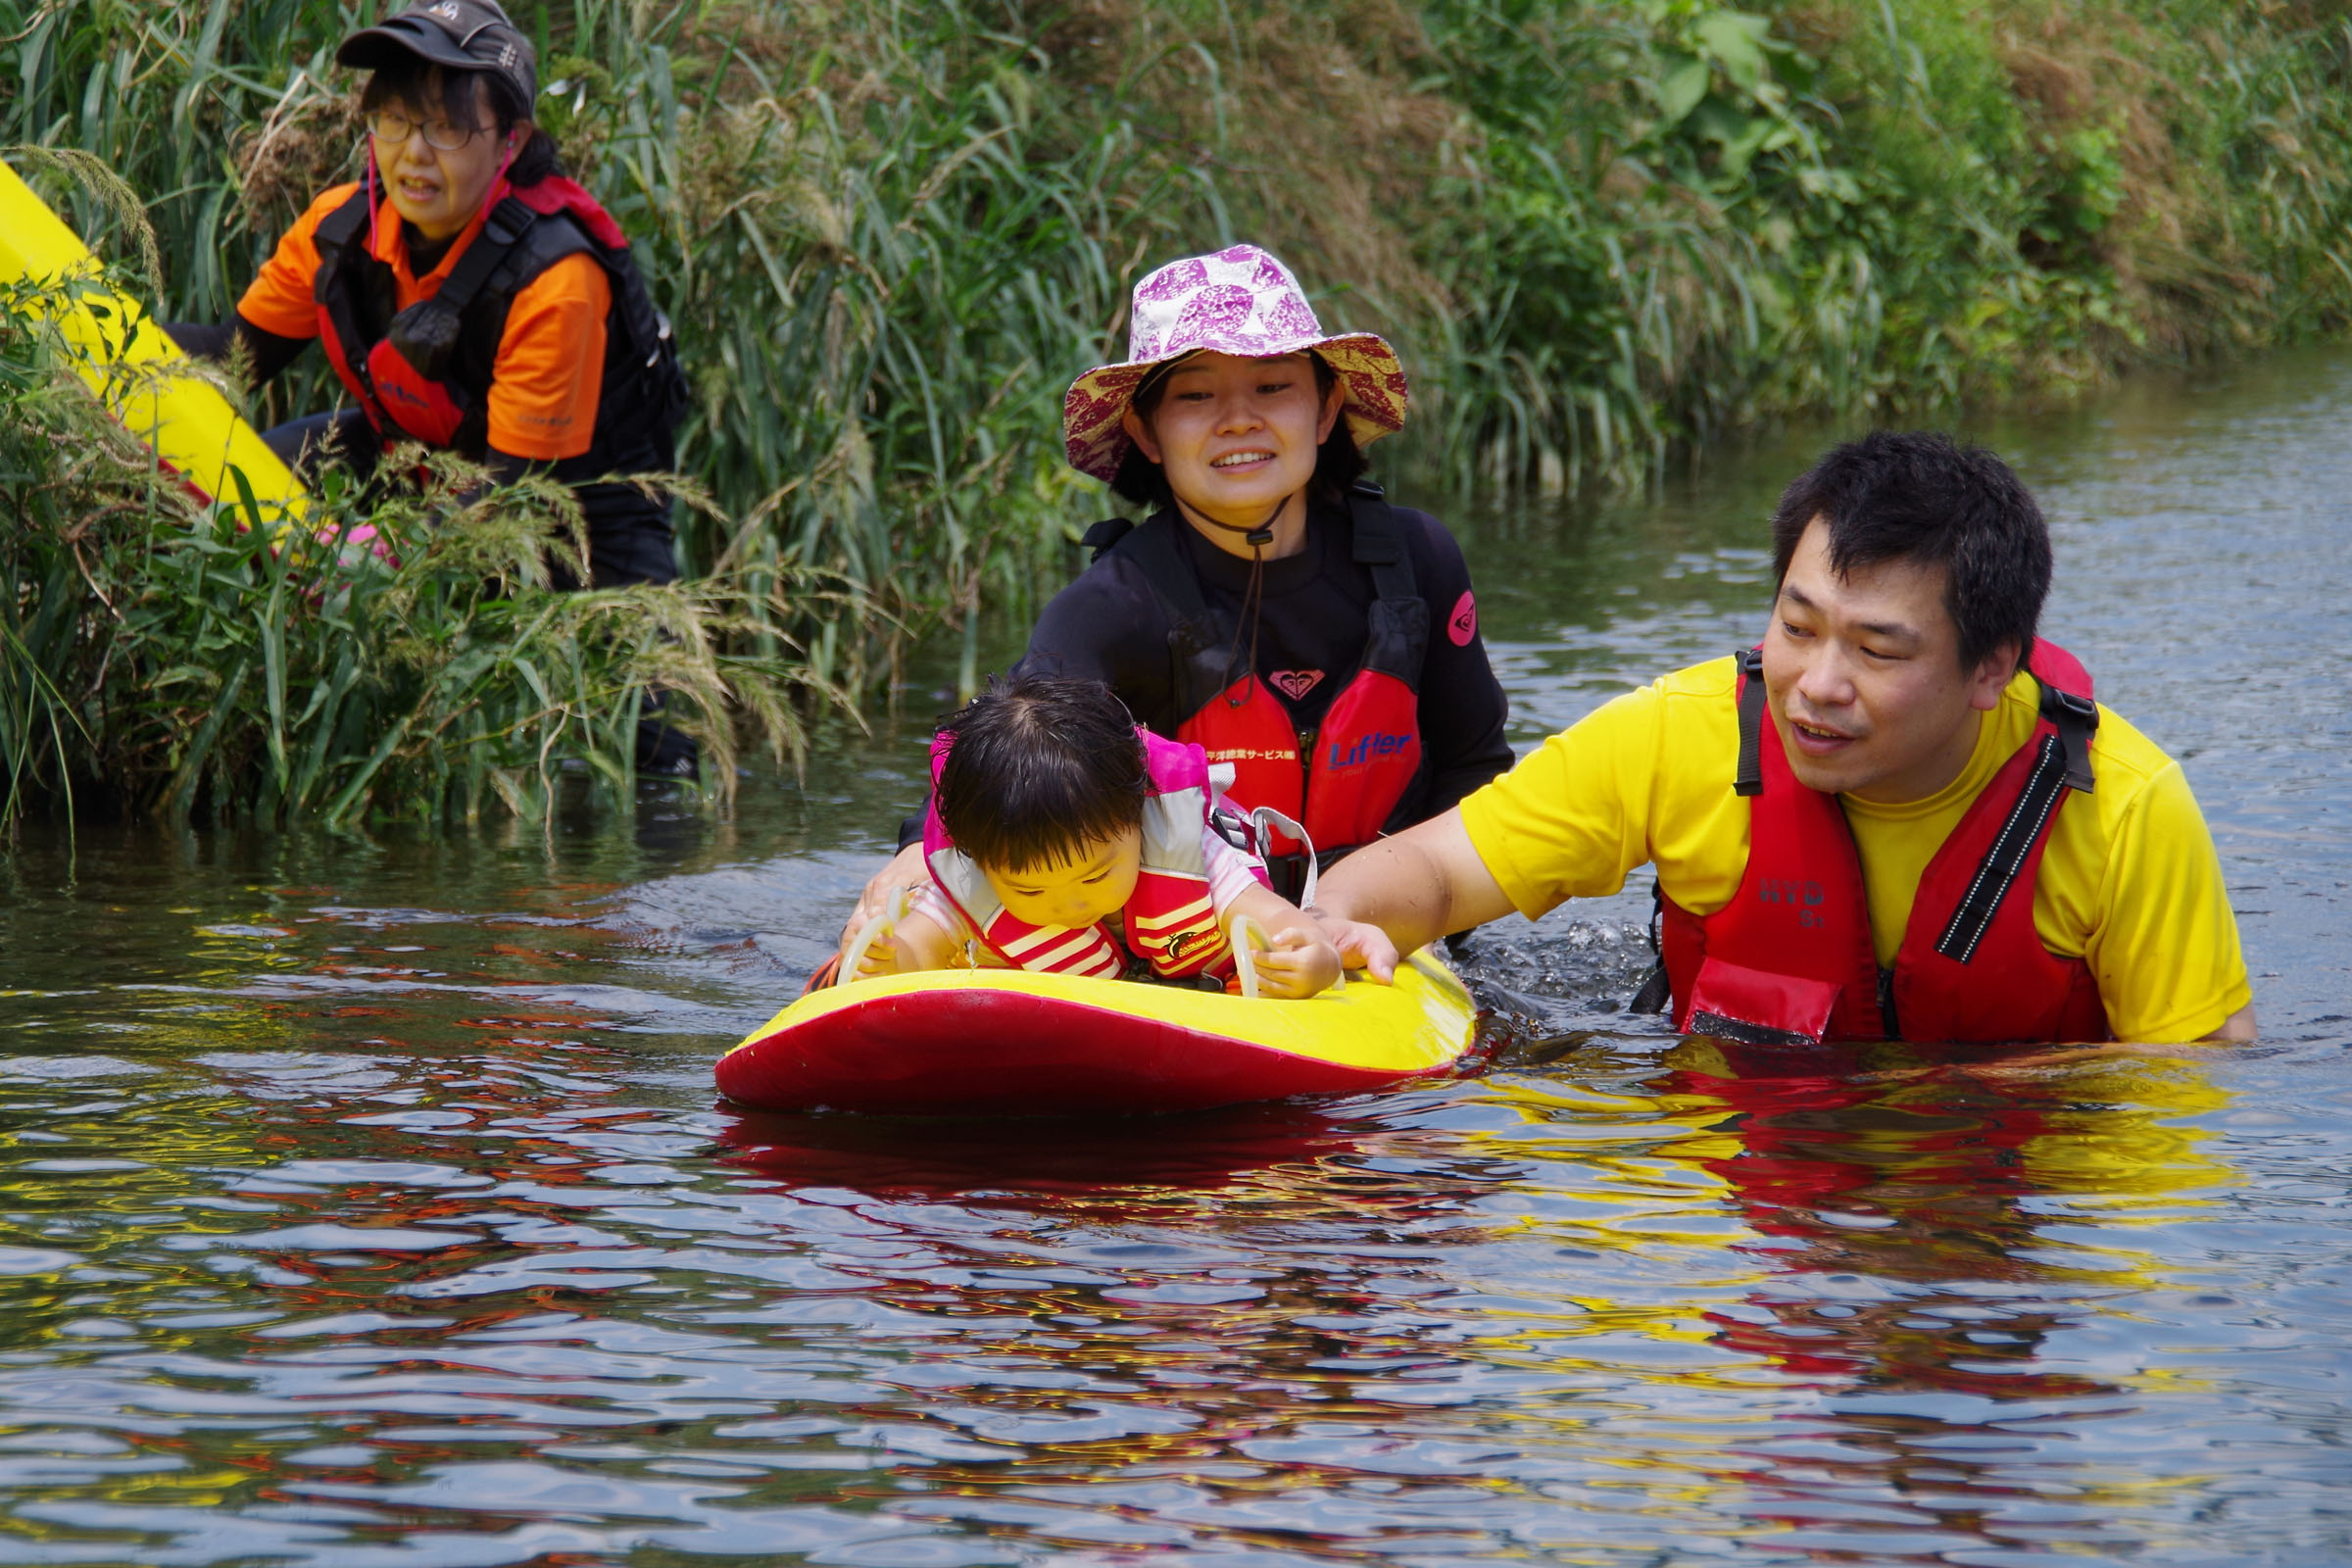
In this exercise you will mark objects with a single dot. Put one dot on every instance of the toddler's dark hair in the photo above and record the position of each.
(1042, 766)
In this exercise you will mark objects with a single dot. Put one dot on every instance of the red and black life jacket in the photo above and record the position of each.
(1789, 960)
(424, 372)
(1340, 780)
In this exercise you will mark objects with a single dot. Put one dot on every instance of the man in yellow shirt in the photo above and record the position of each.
(1902, 817)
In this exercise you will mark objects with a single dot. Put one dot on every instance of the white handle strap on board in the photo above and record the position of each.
(1264, 821)
(1247, 939)
(873, 931)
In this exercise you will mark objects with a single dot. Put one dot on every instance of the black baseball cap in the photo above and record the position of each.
(456, 34)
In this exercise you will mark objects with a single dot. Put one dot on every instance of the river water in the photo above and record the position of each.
(369, 1203)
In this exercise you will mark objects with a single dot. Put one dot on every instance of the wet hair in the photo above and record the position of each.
(1339, 462)
(1042, 766)
(419, 82)
(1925, 498)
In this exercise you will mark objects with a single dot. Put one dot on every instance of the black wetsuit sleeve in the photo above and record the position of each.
(202, 340)
(507, 469)
(1464, 714)
(1108, 627)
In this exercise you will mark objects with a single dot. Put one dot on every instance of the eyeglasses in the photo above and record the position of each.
(392, 127)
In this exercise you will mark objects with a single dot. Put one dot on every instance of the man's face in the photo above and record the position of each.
(1863, 675)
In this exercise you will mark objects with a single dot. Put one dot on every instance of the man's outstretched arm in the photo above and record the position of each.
(2239, 1025)
(1399, 894)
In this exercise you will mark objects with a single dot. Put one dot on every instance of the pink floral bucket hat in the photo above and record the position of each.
(1241, 302)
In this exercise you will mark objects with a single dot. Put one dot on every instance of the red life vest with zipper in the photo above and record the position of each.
(1170, 922)
(424, 372)
(1791, 960)
(1343, 779)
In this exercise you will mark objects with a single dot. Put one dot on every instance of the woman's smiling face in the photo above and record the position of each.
(1238, 437)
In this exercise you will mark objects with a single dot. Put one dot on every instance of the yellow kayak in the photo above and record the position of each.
(1005, 1041)
(124, 358)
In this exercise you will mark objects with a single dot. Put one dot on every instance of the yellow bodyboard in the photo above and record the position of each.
(125, 357)
(1010, 1042)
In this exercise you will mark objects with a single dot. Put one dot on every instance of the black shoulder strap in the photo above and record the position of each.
(1099, 539)
(341, 226)
(2062, 760)
(504, 229)
(1749, 780)
(1158, 553)
(2007, 856)
(1380, 542)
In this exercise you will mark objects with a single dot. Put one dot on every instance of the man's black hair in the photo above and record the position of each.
(1922, 497)
(1339, 462)
(1041, 767)
(419, 82)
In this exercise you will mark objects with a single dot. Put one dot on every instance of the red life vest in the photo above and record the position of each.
(1170, 922)
(424, 372)
(1790, 958)
(1341, 780)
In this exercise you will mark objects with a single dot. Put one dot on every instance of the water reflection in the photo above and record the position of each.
(1121, 1159)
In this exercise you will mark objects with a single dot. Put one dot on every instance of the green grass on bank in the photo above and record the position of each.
(1602, 233)
(400, 656)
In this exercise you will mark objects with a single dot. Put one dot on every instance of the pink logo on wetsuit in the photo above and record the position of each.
(1462, 625)
(1296, 683)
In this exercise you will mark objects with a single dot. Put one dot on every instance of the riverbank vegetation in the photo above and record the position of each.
(1604, 233)
(398, 656)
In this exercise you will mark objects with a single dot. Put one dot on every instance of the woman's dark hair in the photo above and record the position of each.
(1339, 462)
(1041, 766)
(1925, 498)
(420, 84)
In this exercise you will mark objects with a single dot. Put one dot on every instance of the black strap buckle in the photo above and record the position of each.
(1749, 780)
(2076, 719)
(507, 222)
(2060, 705)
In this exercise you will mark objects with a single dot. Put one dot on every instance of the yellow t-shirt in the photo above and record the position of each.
(2130, 881)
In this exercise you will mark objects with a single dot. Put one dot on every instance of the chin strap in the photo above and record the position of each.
(1254, 597)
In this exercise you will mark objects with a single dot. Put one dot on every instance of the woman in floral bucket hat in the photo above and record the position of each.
(1274, 608)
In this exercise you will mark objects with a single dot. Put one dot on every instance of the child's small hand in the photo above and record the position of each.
(1301, 962)
(879, 953)
(905, 941)
(879, 947)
